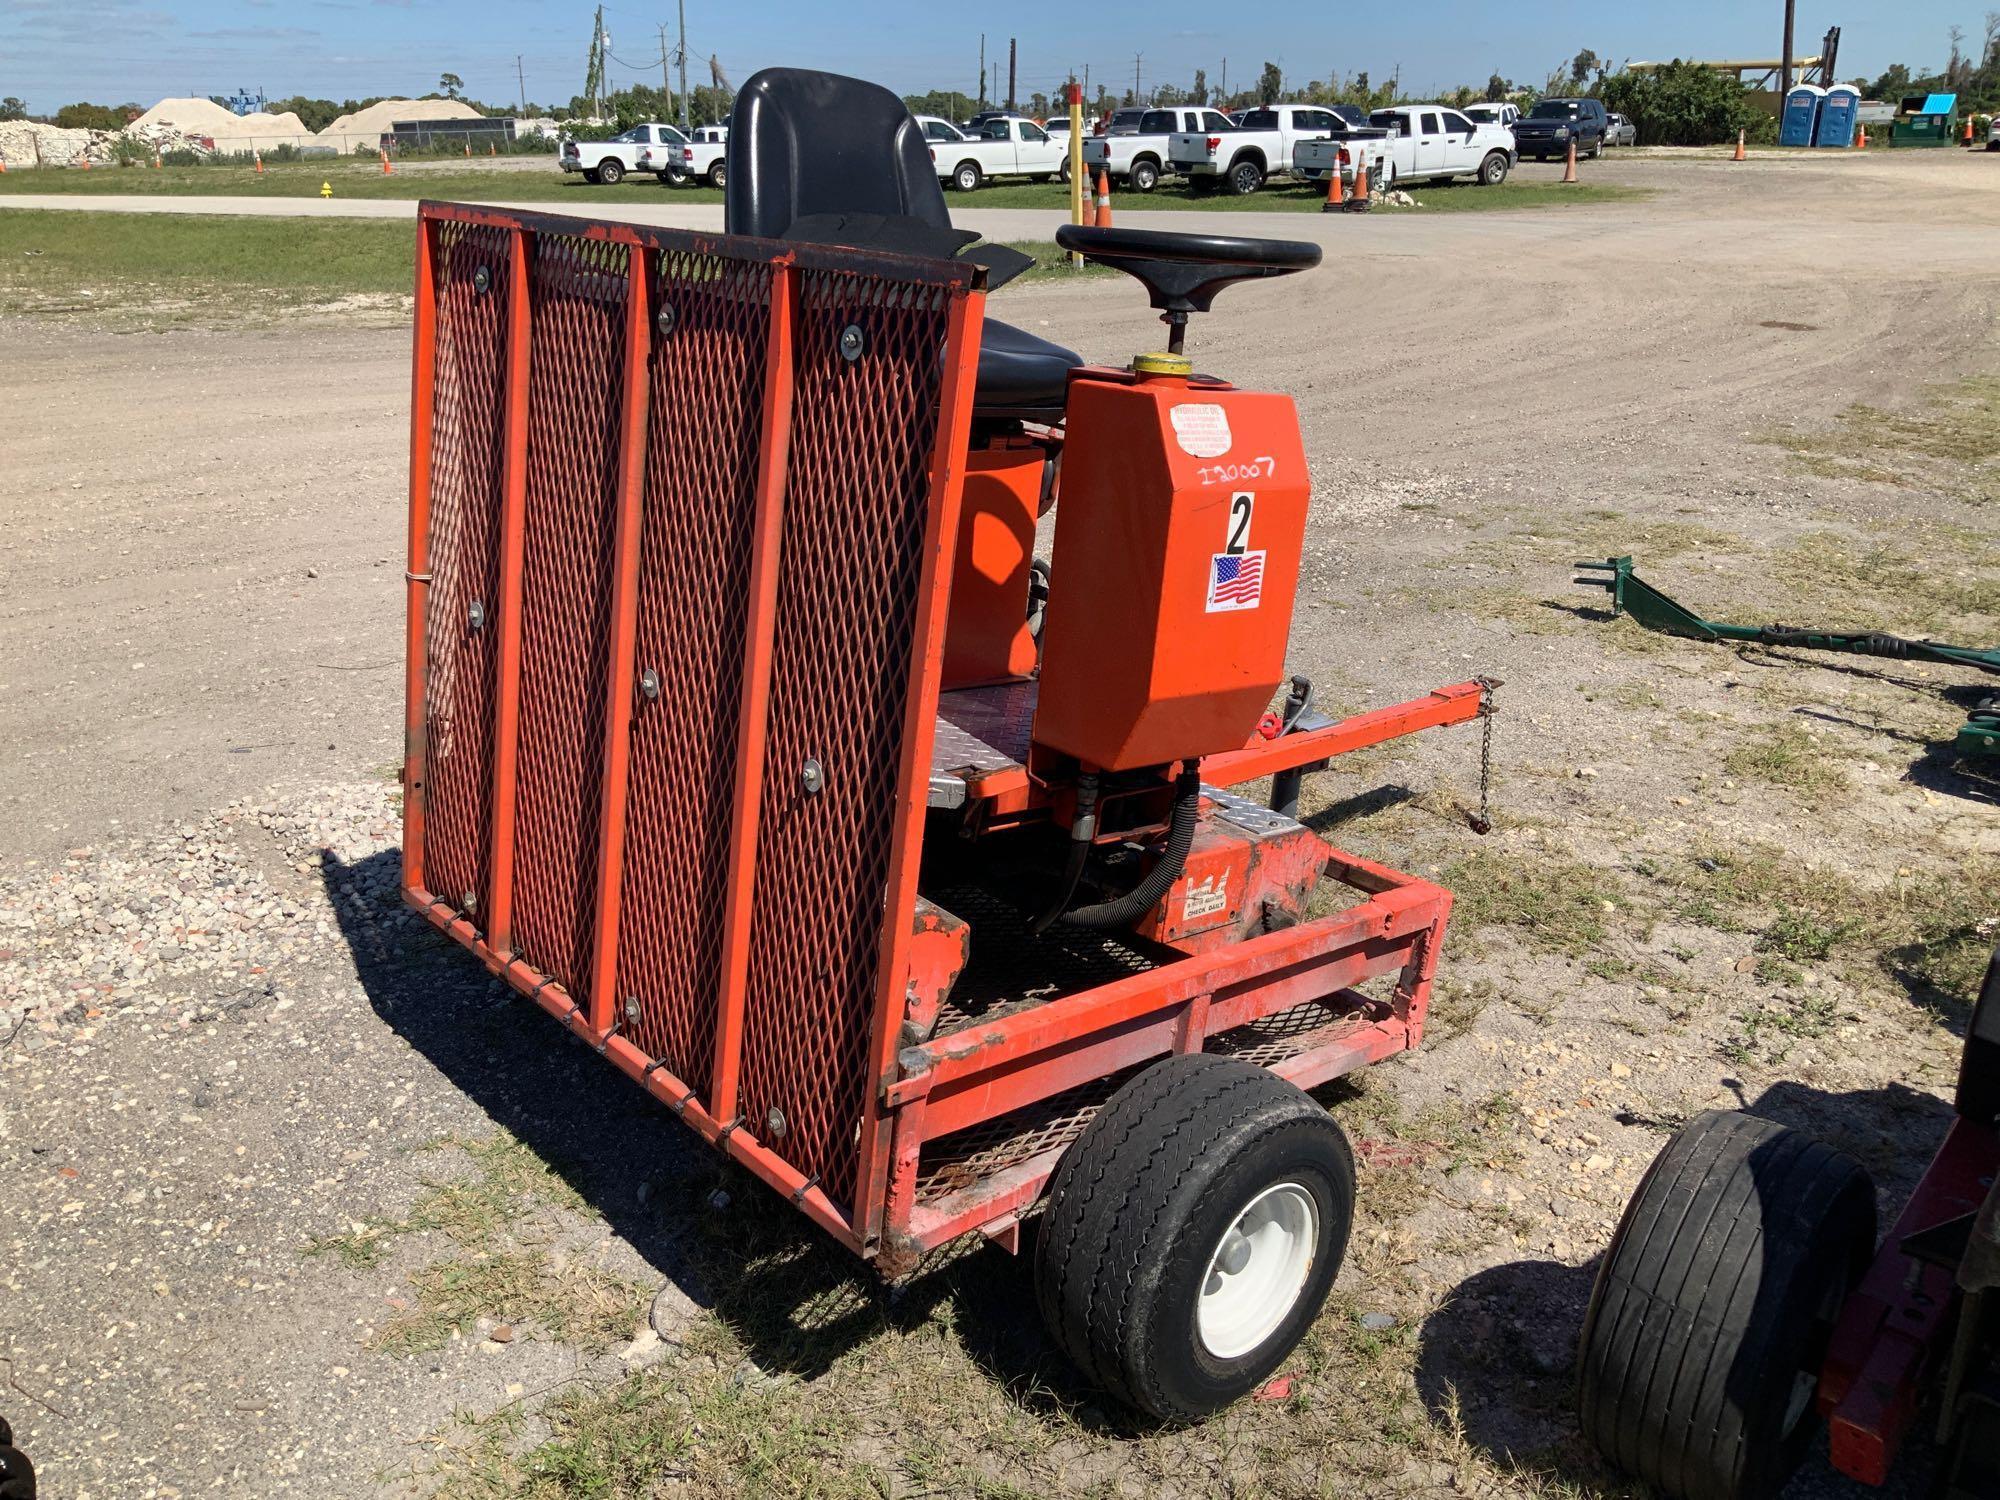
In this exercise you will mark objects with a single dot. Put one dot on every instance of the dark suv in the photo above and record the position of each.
(1548, 129)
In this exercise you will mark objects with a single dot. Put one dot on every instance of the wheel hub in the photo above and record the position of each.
(1257, 1271)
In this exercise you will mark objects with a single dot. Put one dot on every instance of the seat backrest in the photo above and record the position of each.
(804, 143)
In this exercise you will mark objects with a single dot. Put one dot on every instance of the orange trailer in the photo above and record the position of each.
(747, 736)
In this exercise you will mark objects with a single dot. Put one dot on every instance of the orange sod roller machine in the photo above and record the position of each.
(748, 736)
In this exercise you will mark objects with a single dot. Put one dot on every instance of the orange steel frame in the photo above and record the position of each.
(917, 1094)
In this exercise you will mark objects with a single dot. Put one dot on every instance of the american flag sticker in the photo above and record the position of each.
(1235, 581)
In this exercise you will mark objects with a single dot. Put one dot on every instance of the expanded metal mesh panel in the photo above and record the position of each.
(707, 377)
(467, 454)
(855, 510)
(575, 390)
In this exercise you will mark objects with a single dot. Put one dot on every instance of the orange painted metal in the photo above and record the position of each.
(417, 570)
(1260, 758)
(987, 639)
(620, 685)
(767, 548)
(919, 728)
(507, 681)
(1176, 559)
(553, 998)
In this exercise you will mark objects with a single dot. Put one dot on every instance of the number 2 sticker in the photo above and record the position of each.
(1241, 505)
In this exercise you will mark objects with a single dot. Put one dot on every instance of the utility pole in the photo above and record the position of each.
(666, 78)
(593, 79)
(1785, 59)
(685, 126)
(1010, 75)
(982, 73)
(1223, 87)
(1135, 78)
(522, 78)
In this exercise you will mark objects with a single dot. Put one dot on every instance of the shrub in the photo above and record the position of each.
(1682, 104)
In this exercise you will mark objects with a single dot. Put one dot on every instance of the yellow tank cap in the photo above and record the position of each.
(1162, 364)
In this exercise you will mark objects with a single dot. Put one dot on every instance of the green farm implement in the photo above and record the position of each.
(1977, 739)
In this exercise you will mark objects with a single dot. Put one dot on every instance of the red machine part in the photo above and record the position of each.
(987, 639)
(1250, 871)
(1893, 1327)
(1177, 546)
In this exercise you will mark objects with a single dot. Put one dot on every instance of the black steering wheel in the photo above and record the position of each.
(1183, 272)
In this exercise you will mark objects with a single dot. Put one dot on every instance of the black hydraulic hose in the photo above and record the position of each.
(1124, 910)
(1082, 833)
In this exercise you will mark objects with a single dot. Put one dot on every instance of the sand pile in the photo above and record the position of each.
(364, 129)
(230, 132)
(26, 144)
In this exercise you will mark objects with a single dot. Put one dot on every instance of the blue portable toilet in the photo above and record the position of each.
(1838, 114)
(1795, 127)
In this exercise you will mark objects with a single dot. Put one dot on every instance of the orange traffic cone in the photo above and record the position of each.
(1569, 164)
(1103, 199)
(260, 162)
(1360, 202)
(156, 161)
(491, 150)
(1336, 196)
(1862, 141)
(1741, 154)
(1968, 130)
(387, 170)
(3, 166)
(86, 161)
(468, 149)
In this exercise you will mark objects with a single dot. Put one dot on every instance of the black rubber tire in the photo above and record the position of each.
(610, 172)
(1597, 150)
(1138, 1206)
(17, 1475)
(1493, 170)
(1245, 177)
(590, 176)
(1144, 176)
(718, 175)
(966, 176)
(1713, 1304)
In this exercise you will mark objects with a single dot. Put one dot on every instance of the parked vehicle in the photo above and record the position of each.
(1241, 159)
(651, 147)
(1493, 112)
(1005, 146)
(1551, 126)
(1415, 143)
(1134, 150)
(1619, 131)
(704, 157)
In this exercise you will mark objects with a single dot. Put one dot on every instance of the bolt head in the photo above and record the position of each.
(812, 778)
(852, 342)
(475, 614)
(632, 1011)
(774, 1124)
(665, 319)
(482, 280)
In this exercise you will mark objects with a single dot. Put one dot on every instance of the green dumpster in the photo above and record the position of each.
(1926, 120)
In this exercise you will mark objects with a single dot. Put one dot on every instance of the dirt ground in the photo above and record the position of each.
(299, 1203)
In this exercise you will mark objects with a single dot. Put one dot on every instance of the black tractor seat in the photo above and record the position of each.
(835, 160)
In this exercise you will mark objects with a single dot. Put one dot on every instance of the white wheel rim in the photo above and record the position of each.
(1257, 1271)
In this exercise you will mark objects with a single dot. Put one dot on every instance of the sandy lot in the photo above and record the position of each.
(240, 1261)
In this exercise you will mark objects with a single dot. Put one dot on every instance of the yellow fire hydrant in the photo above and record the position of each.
(326, 190)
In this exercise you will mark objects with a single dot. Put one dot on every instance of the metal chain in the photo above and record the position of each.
(1483, 821)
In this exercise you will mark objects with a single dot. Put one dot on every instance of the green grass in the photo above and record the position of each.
(50, 259)
(170, 268)
(363, 179)
(1948, 441)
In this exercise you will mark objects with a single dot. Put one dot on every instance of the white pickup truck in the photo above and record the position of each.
(1004, 146)
(702, 158)
(644, 148)
(1240, 159)
(1133, 148)
(1415, 143)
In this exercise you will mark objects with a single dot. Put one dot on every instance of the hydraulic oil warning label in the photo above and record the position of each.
(1235, 581)
(1201, 428)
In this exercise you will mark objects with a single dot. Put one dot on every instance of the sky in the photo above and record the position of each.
(53, 52)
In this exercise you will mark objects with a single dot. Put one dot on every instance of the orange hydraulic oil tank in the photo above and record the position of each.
(1179, 526)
